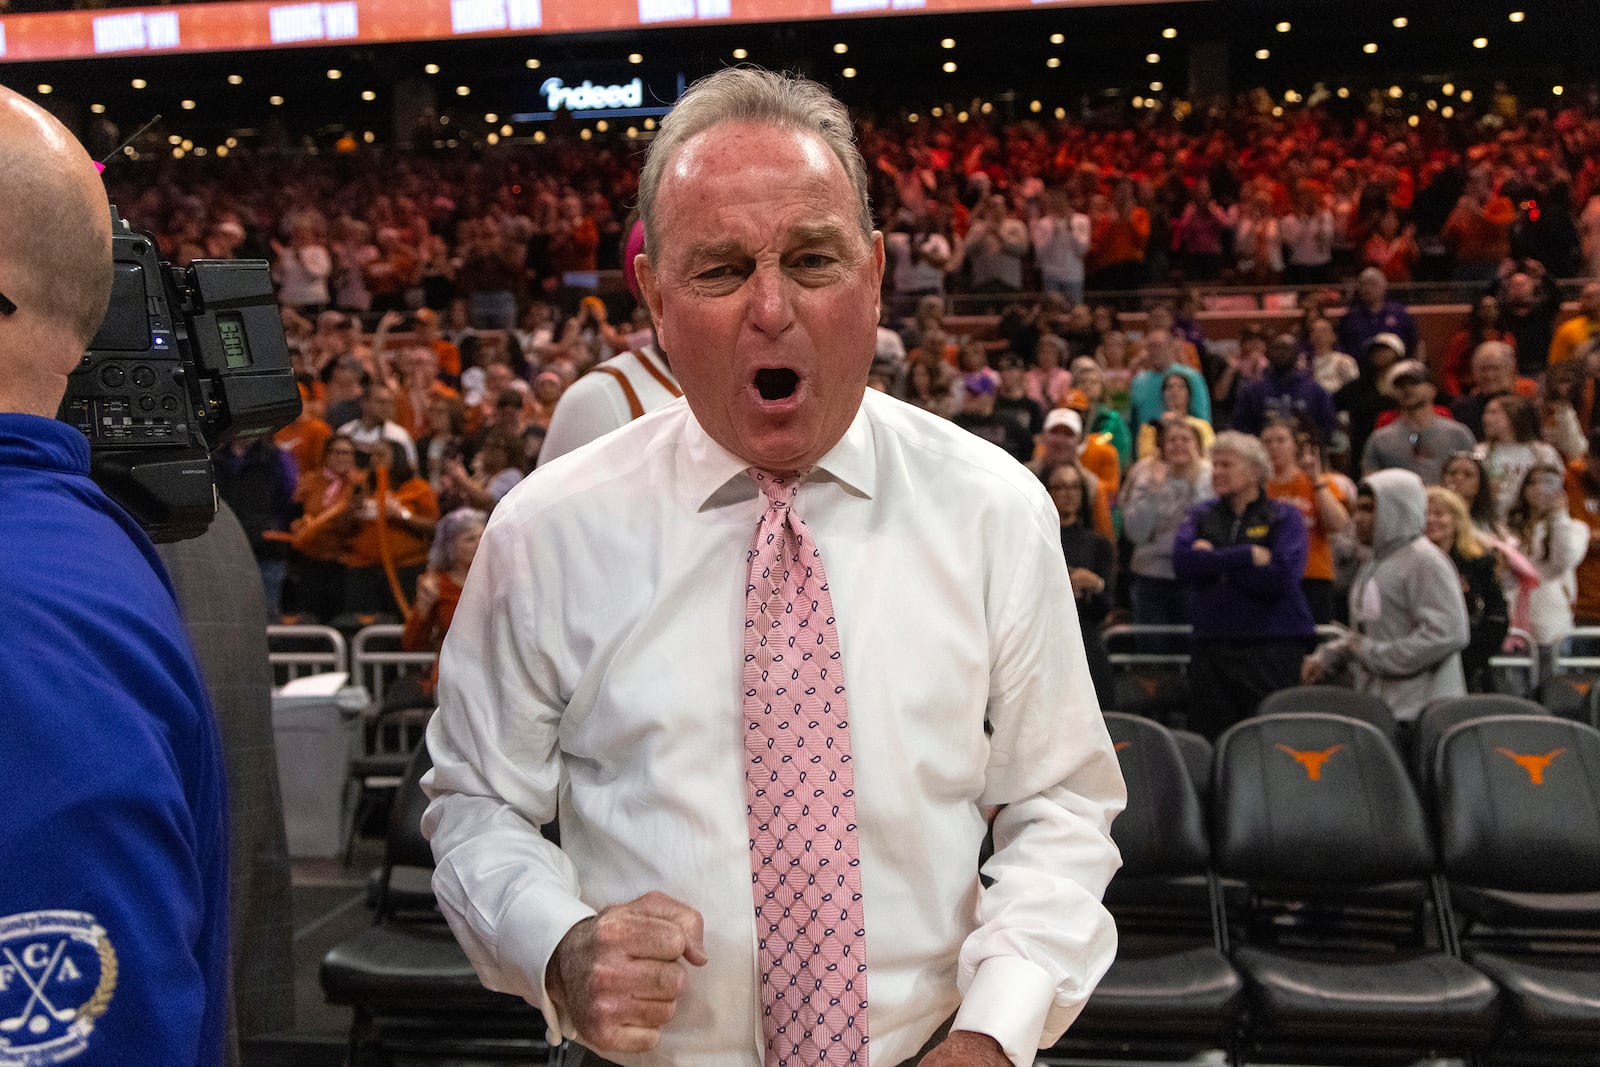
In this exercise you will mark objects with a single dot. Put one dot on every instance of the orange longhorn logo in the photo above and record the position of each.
(1582, 687)
(1120, 745)
(1534, 765)
(1311, 761)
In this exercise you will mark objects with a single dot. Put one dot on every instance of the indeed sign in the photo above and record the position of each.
(591, 97)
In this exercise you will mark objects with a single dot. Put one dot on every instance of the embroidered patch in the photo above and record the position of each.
(58, 973)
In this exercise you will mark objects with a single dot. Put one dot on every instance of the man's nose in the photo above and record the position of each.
(770, 310)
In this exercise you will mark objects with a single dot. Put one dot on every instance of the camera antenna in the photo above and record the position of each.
(101, 164)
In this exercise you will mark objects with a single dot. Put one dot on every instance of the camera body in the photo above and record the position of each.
(186, 359)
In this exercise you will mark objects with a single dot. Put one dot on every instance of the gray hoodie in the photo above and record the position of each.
(1408, 617)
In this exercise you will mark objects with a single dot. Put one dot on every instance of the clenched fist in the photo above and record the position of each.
(618, 975)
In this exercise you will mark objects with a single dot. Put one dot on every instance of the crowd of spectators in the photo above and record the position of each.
(437, 311)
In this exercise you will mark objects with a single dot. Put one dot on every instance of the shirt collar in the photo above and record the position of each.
(714, 477)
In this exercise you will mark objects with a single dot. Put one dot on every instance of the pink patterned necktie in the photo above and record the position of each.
(800, 792)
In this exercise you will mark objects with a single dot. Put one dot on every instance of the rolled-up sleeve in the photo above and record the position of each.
(1044, 939)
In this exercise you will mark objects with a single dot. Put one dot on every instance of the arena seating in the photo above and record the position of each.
(1332, 700)
(1315, 814)
(1296, 915)
(1171, 989)
(1518, 802)
(408, 981)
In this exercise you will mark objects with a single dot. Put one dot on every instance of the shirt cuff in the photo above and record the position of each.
(1008, 999)
(528, 934)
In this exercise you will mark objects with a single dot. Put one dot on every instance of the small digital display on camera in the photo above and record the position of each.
(235, 348)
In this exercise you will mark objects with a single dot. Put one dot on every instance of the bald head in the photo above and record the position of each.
(55, 246)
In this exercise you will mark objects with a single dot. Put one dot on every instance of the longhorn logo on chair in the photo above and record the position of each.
(1312, 761)
(1533, 764)
(1582, 687)
(1120, 745)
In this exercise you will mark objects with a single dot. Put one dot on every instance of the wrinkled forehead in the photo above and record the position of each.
(735, 161)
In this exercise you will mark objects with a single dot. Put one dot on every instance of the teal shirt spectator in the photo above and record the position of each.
(1144, 394)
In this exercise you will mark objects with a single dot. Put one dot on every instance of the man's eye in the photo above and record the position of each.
(717, 273)
(814, 261)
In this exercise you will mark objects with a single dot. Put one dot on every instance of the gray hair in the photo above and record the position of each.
(1245, 447)
(1498, 349)
(749, 94)
(451, 526)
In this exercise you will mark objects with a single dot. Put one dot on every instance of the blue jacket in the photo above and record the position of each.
(113, 907)
(1230, 598)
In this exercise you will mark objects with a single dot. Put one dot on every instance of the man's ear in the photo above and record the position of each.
(651, 291)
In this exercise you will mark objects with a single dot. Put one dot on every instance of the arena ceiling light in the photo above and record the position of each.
(848, 72)
(948, 42)
(1480, 42)
(840, 48)
(368, 95)
(1401, 22)
(97, 109)
(236, 79)
(430, 68)
(533, 64)
(1283, 27)
(1169, 33)
(1262, 53)
(1557, 90)
(741, 53)
(45, 90)
(635, 58)
(275, 100)
(139, 83)
(949, 68)
(334, 74)
(1517, 16)
(1370, 48)
(1058, 38)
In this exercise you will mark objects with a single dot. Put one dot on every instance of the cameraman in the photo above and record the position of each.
(113, 910)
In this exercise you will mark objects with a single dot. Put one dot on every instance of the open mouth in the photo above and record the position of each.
(776, 383)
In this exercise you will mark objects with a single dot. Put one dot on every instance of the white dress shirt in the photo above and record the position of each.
(594, 405)
(593, 668)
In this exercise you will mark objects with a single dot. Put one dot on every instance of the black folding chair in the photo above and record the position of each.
(1518, 803)
(412, 988)
(1341, 932)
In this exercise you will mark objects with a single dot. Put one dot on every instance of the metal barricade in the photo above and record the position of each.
(1507, 664)
(296, 651)
(378, 662)
(1146, 634)
(1580, 651)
